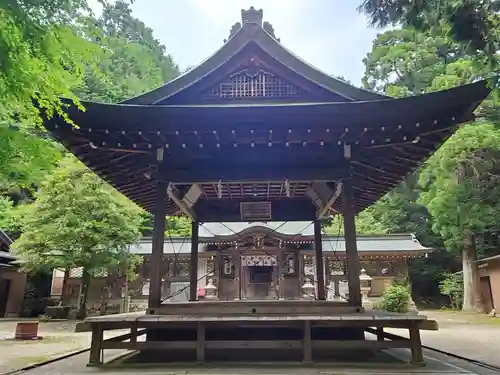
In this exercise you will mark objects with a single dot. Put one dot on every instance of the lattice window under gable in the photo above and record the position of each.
(250, 83)
(178, 267)
(76, 272)
(98, 273)
(101, 272)
(309, 266)
(337, 267)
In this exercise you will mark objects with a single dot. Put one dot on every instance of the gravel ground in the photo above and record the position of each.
(58, 338)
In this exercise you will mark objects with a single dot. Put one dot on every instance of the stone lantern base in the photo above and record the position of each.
(412, 308)
(365, 301)
(210, 290)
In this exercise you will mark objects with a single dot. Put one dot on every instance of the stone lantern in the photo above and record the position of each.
(210, 290)
(365, 284)
(308, 289)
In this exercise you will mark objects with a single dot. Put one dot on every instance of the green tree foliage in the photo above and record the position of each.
(452, 287)
(396, 299)
(405, 62)
(43, 56)
(132, 61)
(473, 23)
(400, 212)
(7, 221)
(175, 226)
(461, 183)
(78, 220)
(409, 62)
(25, 158)
(462, 192)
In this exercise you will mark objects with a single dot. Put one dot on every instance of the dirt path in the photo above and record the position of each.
(468, 335)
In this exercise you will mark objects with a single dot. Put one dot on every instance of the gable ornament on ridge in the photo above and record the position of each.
(252, 16)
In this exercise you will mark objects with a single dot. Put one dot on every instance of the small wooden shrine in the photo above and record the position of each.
(280, 269)
(256, 134)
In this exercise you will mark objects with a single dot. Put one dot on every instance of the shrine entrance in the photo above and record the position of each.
(260, 282)
(259, 277)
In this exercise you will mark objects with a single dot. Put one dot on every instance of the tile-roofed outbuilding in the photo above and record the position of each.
(405, 243)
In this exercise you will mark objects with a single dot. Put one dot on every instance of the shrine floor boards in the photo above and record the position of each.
(391, 362)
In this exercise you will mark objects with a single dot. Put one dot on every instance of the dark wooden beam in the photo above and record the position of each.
(227, 173)
(353, 269)
(193, 263)
(333, 198)
(173, 193)
(158, 242)
(289, 209)
(320, 269)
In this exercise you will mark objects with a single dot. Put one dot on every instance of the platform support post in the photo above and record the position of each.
(320, 269)
(200, 343)
(156, 262)
(351, 245)
(307, 342)
(133, 334)
(279, 276)
(96, 346)
(417, 356)
(193, 263)
(380, 334)
(236, 257)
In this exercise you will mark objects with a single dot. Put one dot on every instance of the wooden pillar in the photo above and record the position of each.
(236, 259)
(380, 334)
(193, 263)
(158, 243)
(133, 334)
(307, 343)
(96, 345)
(300, 273)
(218, 269)
(320, 269)
(200, 342)
(279, 270)
(417, 357)
(351, 244)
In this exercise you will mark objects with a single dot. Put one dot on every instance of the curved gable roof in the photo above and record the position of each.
(226, 229)
(254, 33)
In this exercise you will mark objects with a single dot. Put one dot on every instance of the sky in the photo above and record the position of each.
(329, 34)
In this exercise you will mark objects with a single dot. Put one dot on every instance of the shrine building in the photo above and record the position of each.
(256, 134)
(258, 275)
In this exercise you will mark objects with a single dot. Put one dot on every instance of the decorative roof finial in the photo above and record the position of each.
(270, 30)
(236, 27)
(252, 15)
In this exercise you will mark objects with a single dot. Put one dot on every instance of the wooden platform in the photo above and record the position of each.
(274, 330)
(255, 307)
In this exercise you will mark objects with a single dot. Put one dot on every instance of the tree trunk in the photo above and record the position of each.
(472, 296)
(63, 301)
(84, 291)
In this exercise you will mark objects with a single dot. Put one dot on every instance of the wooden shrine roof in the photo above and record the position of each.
(5, 242)
(385, 245)
(233, 153)
(254, 133)
(253, 37)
